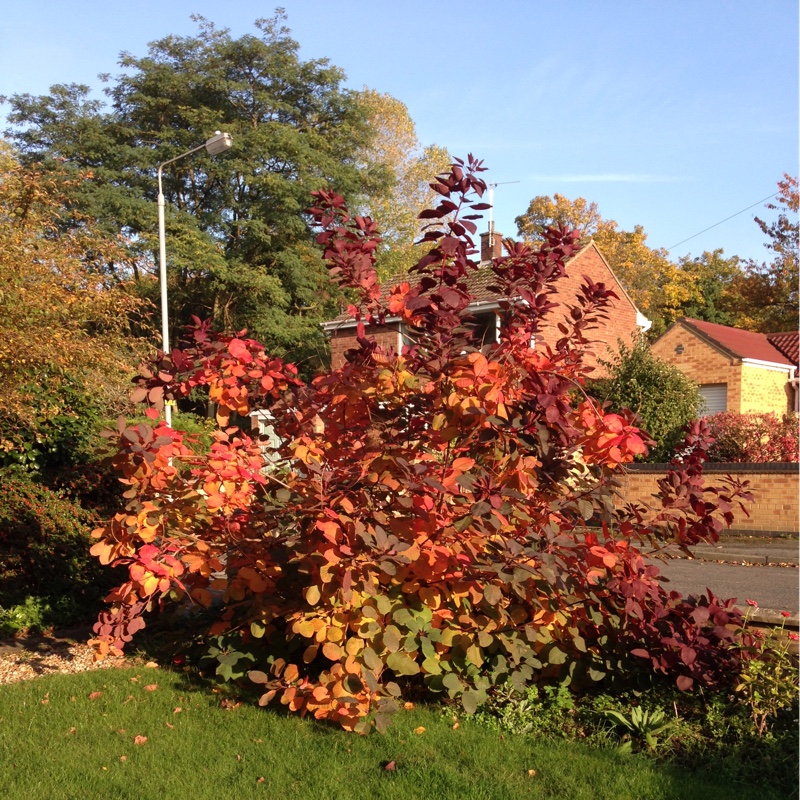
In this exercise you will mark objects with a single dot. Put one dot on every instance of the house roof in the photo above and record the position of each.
(788, 343)
(739, 343)
(478, 282)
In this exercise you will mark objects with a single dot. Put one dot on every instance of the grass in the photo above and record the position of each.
(56, 742)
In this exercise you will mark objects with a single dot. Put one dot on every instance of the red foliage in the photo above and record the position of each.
(753, 438)
(426, 511)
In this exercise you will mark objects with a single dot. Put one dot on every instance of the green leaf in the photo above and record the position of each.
(492, 594)
(471, 699)
(432, 666)
(391, 638)
(402, 664)
(371, 659)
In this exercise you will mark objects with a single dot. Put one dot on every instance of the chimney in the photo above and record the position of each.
(491, 245)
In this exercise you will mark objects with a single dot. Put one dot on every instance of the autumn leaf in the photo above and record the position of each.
(95, 695)
(151, 687)
(139, 739)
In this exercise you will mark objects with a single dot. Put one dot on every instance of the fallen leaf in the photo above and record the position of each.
(151, 665)
(139, 739)
(408, 706)
(177, 710)
(134, 679)
(261, 779)
(391, 766)
(238, 757)
(151, 687)
(531, 772)
(170, 726)
(72, 730)
(95, 695)
(419, 731)
(456, 726)
(46, 699)
(122, 731)
(72, 699)
(258, 741)
(105, 769)
(123, 758)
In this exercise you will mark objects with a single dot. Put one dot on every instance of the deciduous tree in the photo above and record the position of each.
(240, 249)
(765, 297)
(66, 351)
(403, 167)
(649, 277)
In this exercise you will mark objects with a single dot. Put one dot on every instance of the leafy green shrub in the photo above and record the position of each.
(59, 432)
(754, 438)
(663, 397)
(44, 553)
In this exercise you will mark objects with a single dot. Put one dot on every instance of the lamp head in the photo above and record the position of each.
(219, 143)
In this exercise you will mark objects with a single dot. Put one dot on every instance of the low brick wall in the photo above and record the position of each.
(775, 487)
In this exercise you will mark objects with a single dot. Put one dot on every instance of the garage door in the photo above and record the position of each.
(715, 398)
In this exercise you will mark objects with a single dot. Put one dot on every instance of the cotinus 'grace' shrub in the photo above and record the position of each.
(424, 519)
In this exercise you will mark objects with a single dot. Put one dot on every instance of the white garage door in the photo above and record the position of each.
(715, 398)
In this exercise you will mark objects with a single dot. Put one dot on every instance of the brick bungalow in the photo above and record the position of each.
(625, 321)
(736, 370)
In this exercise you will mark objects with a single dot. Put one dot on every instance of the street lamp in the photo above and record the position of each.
(218, 143)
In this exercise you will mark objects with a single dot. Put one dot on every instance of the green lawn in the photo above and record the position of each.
(57, 742)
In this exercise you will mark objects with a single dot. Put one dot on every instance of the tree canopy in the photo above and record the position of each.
(66, 350)
(764, 297)
(240, 248)
(403, 168)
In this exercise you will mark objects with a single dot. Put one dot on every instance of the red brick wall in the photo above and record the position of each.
(621, 322)
(344, 339)
(775, 489)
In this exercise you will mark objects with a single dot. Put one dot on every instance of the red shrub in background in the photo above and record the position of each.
(425, 514)
(754, 438)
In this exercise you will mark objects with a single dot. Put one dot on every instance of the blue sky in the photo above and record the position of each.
(672, 115)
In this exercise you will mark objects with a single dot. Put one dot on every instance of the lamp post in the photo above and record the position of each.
(218, 143)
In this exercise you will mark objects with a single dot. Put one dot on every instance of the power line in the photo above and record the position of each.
(693, 236)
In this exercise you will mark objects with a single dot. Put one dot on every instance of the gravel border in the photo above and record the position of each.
(24, 659)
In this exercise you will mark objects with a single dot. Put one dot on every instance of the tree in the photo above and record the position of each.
(544, 211)
(765, 296)
(664, 399)
(710, 278)
(425, 516)
(66, 351)
(650, 278)
(240, 249)
(396, 157)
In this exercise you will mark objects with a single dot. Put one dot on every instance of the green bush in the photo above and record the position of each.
(663, 397)
(60, 431)
(45, 566)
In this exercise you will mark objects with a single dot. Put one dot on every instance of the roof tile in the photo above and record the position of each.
(739, 343)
